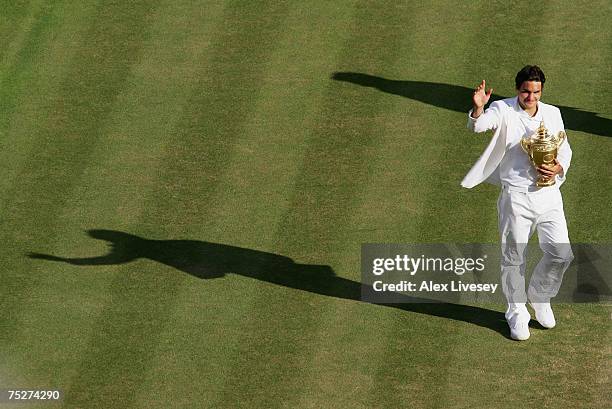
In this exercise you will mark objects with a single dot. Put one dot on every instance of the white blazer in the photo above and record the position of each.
(500, 116)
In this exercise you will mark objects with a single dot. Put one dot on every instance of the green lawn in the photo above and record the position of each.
(281, 130)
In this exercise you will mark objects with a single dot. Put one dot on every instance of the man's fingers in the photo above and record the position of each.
(548, 167)
(544, 171)
(482, 87)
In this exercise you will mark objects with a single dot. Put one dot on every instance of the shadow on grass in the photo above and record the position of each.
(458, 98)
(212, 260)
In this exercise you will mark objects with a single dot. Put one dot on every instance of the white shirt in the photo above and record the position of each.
(515, 168)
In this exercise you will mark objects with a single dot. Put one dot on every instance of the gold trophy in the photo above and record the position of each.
(542, 148)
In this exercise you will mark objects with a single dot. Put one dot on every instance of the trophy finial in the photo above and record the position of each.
(541, 131)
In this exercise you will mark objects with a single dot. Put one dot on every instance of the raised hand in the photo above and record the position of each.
(480, 98)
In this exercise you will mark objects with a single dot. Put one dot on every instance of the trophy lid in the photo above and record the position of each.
(542, 132)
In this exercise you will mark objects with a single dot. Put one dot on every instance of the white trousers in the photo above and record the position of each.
(520, 213)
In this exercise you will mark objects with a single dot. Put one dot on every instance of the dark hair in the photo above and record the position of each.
(529, 73)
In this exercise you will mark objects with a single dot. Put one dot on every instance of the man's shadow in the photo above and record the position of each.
(207, 260)
(458, 98)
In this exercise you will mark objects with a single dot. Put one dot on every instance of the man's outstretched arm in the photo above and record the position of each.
(480, 120)
(109, 259)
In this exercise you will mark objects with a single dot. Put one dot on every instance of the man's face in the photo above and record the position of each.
(529, 94)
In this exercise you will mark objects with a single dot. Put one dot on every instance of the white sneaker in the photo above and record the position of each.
(544, 314)
(519, 328)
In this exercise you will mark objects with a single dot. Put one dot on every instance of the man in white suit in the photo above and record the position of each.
(522, 206)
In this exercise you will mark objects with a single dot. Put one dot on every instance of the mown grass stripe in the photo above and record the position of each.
(196, 138)
(212, 123)
(273, 108)
(20, 32)
(341, 147)
(125, 171)
(23, 190)
(71, 131)
(19, 73)
(339, 157)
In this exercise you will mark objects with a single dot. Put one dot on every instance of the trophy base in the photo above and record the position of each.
(543, 182)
